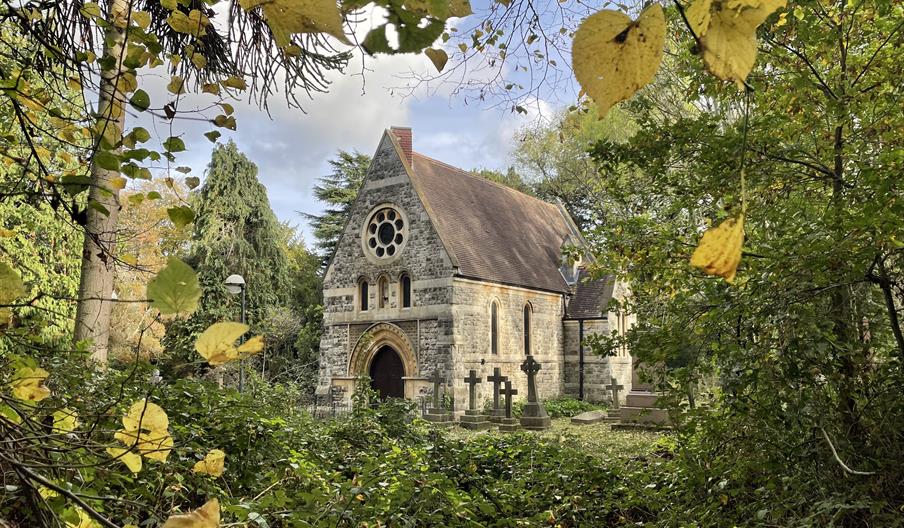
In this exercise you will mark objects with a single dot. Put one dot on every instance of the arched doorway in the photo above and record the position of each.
(386, 371)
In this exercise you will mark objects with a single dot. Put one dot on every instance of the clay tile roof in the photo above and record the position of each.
(591, 298)
(494, 233)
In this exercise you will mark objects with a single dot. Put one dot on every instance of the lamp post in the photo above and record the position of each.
(235, 284)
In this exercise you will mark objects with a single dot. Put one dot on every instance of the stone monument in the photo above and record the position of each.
(438, 414)
(614, 409)
(474, 418)
(497, 379)
(640, 408)
(508, 424)
(534, 417)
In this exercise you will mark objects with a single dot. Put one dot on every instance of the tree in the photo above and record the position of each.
(147, 237)
(236, 232)
(338, 191)
(805, 344)
(554, 158)
(509, 178)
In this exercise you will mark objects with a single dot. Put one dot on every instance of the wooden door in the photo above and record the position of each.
(386, 371)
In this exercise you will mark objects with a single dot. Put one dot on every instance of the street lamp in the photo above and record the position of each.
(235, 285)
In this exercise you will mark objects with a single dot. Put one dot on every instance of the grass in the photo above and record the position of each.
(598, 440)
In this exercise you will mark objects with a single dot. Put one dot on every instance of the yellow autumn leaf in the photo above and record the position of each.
(252, 346)
(145, 415)
(217, 343)
(613, 56)
(155, 445)
(127, 457)
(176, 85)
(719, 251)
(288, 17)
(727, 33)
(212, 464)
(65, 420)
(84, 520)
(27, 384)
(438, 57)
(146, 428)
(207, 516)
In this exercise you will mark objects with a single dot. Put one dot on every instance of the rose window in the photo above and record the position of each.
(386, 233)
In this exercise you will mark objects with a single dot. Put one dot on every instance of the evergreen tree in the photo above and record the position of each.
(237, 232)
(338, 190)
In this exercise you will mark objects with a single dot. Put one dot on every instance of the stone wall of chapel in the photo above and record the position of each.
(423, 257)
(598, 370)
(471, 335)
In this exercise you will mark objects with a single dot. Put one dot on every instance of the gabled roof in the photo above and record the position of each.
(591, 298)
(493, 232)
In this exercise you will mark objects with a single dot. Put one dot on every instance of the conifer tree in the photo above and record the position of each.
(237, 232)
(338, 190)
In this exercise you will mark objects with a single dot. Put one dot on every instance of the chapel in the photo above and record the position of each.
(438, 270)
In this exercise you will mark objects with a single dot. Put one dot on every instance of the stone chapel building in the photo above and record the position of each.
(440, 270)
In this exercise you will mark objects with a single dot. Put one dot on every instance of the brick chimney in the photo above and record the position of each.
(403, 135)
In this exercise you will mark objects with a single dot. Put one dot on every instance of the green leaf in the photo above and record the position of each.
(11, 286)
(174, 144)
(140, 100)
(192, 182)
(181, 216)
(106, 160)
(91, 10)
(175, 289)
(213, 136)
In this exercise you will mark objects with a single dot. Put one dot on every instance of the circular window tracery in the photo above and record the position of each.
(386, 233)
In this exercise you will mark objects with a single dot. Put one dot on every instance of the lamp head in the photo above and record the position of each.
(235, 284)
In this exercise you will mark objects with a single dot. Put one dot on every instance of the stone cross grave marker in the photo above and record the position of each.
(472, 380)
(474, 417)
(508, 424)
(615, 388)
(437, 380)
(534, 416)
(497, 379)
(438, 414)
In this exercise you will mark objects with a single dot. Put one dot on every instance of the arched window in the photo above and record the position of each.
(527, 316)
(494, 328)
(405, 287)
(363, 293)
(383, 292)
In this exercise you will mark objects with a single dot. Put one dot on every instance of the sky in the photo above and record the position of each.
(291, 148)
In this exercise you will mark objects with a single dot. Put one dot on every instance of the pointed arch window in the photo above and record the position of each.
(528, 312)
(405, 287)
(494, 328)
(363, 293)
(383, 292)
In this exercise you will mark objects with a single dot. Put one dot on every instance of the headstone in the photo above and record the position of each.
(507, 424)
(589, 417)
(614, 414)
(640, 409)
(474, 418)
(438, 414)
(534, 416)
(497, 379)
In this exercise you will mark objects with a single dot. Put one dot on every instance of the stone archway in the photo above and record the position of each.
(375, 338)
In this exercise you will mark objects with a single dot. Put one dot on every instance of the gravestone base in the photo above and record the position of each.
(614, 415)
(534, 417)
(440, 417)
(535, 423)
(497, 415)
(475, 421)
(508, 425)
(640, 410)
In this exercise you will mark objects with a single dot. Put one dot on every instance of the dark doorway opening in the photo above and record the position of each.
(386, 371)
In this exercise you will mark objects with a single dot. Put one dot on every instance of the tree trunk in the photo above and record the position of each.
(95, 302)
